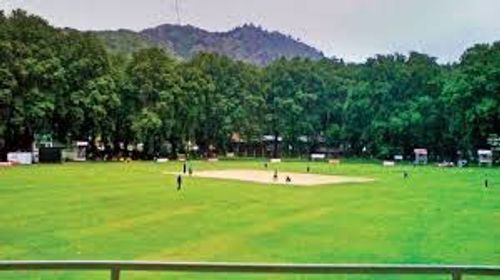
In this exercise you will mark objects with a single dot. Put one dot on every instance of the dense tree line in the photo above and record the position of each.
(65, 83)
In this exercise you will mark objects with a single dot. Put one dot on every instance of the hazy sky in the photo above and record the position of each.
(349, 29)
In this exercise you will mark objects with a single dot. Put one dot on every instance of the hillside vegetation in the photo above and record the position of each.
(248, 43)
(127, 41)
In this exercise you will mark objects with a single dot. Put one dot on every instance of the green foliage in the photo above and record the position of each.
(66, 83)
(127, 42)
(90, 86)
(230, 102)
(393, 105)
(154, 85)
(29, 71)
(472, 92)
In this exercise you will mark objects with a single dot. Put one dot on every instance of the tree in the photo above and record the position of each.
(65, 83)
(230, 103)
(293, 89)
(29, 69)
(194, 86)
(472, 93)
(393, 105)
(86, 95)
(153, 86)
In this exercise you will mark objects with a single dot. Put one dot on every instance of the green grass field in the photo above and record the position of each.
(132, 211)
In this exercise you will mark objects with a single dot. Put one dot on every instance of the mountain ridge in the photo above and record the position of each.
(248, 43)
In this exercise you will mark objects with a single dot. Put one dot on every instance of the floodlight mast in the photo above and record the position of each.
(177, 12)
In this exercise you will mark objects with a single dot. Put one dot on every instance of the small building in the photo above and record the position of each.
(317, 147)
(81, 150)
(253, 146)
(485, 157)
(421, 156)
(50, 155)
(78, 151)
(41, 141)
(329, 152)
(272, 146)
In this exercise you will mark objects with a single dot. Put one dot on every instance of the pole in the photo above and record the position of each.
(115, 273)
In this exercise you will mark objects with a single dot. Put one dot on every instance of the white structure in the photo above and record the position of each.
(20, 158)
(81, 150)
(334, 161)
(485, 157)
(398, 157)
(78, 151)
(318, 156)
(388, 163)
(271, 138)
(420, 156)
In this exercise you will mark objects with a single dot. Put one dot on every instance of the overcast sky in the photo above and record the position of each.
(348, 29)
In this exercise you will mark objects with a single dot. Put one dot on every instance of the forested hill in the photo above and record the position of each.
(127, 41)
(247, 43)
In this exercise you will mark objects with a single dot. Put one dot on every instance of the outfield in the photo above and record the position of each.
(131, 211)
